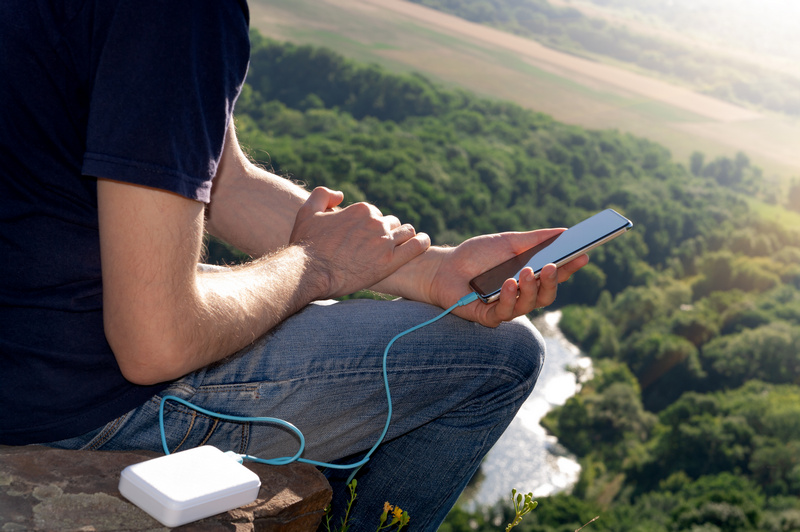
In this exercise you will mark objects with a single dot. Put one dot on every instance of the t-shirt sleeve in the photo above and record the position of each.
(168, 73)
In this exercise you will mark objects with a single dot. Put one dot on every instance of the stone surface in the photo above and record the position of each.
(52, 489)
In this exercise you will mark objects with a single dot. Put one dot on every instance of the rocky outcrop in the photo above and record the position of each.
(58, 490)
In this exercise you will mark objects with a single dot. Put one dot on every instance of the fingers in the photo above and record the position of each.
(411, 247)
(518, 299)
(529, 292)
(504, 308)
(566, 271)
(355, 246)
(401, 233)
(322, 199)
(391, 222)
(408, 242)
(548, 285)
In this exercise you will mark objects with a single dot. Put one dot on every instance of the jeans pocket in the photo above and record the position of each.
(199, 430)
(183, 427)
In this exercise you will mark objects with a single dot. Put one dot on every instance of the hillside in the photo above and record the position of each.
(672, 41)
(403, 36)
(692, 319)
(763, 33)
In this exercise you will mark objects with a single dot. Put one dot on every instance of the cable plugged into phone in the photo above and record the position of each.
(467, 299)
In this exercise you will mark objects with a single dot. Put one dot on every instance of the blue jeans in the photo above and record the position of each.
(455, 387)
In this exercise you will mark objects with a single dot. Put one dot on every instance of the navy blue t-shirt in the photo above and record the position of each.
(139, 91)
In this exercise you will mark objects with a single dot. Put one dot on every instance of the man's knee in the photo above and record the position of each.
(503, 370)
(517, 351)
(526, 345)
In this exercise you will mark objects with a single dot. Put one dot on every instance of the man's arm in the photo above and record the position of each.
(164, 319)
(251, 209)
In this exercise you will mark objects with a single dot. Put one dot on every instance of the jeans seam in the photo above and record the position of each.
(245, 441)
(251, 386)
(210, 432)
(106, 434)
(188, 431)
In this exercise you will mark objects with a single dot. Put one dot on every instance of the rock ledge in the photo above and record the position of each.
(59, 490)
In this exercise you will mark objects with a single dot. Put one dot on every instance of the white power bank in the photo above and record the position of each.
(189, 485)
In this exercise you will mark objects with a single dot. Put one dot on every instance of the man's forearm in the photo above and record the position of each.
(156, 341)
(412, 280)
(237, 305)
(163, 319)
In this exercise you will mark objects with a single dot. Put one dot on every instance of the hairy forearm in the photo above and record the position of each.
(219, 313)
(257, 214)
(240, 304)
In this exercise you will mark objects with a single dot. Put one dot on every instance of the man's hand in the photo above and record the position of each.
(355, 247)
(460, 264)
(441, 276)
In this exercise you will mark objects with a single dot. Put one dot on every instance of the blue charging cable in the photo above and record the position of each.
(466, 300)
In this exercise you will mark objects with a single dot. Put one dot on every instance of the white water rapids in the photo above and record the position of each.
(526, 458)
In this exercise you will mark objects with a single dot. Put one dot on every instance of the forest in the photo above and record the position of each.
(691, 419)
(567, 29)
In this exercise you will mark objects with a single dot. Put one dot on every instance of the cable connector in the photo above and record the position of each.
(467, 299)
(236, 457)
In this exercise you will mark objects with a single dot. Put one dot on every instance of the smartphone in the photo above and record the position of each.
(558, 250)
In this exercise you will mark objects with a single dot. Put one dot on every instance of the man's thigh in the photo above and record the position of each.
(322, 370)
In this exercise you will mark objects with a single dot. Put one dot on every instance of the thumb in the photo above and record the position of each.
(322, 199)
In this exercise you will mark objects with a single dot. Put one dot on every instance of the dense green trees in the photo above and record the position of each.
(692, 318)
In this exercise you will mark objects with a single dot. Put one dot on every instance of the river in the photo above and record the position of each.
(526, 458)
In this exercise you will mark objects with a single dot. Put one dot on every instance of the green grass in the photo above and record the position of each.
(775, 213)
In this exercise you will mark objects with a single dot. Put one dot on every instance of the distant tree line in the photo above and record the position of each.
(568, 29)
(692, 418)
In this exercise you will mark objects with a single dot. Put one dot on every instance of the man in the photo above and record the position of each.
(117, 152)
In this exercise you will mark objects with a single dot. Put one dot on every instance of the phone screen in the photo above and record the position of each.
(559, 250)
